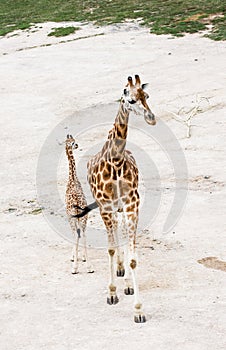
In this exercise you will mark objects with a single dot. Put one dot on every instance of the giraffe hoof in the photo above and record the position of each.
(90, 271)
(74, 271)
(113, 300)
(129, 291)
(120, 272)
(140, 319)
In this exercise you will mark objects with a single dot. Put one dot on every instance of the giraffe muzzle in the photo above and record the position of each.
(149, 117)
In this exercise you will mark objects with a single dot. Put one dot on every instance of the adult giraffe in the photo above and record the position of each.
(113, 178)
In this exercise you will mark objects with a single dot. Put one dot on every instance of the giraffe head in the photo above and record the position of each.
(135, 98)
(70, 142)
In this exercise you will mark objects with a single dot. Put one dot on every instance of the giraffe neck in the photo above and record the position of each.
(71, 161)
(118, 134)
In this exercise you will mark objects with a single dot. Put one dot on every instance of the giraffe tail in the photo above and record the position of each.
(79, 233)
(85, 210)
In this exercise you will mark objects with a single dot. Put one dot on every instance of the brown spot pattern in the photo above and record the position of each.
(111, 252)
(133, 264)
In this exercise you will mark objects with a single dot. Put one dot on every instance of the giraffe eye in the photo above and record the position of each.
(132, 102)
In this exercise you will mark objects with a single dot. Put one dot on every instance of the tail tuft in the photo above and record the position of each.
(85, 210)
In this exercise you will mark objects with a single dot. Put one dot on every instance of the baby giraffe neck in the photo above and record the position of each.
(71, 161)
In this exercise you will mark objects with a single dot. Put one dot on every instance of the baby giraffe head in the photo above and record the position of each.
(70, 142)
(135, 98)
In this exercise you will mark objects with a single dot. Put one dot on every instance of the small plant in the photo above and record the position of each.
(63, 31)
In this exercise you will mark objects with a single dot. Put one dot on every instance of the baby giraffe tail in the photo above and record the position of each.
(85, 210)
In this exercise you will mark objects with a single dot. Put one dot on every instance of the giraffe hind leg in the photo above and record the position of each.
(112, 299)
(85, 257)
(127, 275)
(132, 218)
(111, 227)
(74, 258)
(139, 316)
(73, 254)
(74, 269)
(127, 278)
(120, 272)
(79, 232)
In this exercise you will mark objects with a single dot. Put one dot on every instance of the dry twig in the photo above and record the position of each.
(190, 114)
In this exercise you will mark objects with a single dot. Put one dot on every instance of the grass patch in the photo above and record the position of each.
(174, 17)
(63, 31)
(178, 28)
(219, 30)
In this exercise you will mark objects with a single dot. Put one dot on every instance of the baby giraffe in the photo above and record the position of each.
(75, 201)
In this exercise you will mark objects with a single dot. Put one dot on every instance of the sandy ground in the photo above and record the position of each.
(47, 83)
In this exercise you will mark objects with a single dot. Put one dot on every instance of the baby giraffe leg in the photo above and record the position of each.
(74, 257)
(74, 268)
(73, 254)
(85, 257)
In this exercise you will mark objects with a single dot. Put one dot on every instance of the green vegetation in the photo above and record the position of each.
(174, 17)
(63, 31)
(219, 30)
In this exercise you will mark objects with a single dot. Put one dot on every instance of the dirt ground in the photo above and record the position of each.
(48, 84)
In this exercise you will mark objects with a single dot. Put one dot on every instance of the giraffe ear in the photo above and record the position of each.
(144, 86)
